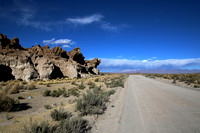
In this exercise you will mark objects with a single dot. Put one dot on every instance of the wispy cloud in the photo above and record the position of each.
(26, 13)
(98, 18)
(109, 27)
(123, 64)
(86, 20)
(64, 42)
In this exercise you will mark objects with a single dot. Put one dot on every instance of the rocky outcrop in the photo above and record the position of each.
(42, 62)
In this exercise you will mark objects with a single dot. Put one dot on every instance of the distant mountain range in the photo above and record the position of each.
(161, 71)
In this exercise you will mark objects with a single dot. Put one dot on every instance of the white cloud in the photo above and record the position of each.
(49, 41)
(66, 46)
(64, 42)
(86, 19)
(109, 27)
(123, 64)
(144, 60)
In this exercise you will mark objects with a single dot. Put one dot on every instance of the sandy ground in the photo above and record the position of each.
(13, 122)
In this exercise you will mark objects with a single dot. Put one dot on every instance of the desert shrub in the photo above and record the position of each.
(91, 84)
(24, 82)
(66, 94)
(73, 125)
(48, 85)
(35, 127)
(116, 82)
(7, 104)
(74, 92)
(97, 89)
(81, 86)
(174, 81)
(58, 115)
(92, 103)
(15, 88)
(55, 93)
(96, 80)
(47, 107)
(111, 92)
(61, 91)
(46, 93)
(30, 86)
(73, 82)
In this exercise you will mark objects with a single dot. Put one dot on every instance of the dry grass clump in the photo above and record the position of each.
(73, 83)
(81, 86)
(69, 125)
(15, 86)
(30, 86)
(91, 84)
(7, 104)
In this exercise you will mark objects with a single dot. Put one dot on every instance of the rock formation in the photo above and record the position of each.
(42, 62)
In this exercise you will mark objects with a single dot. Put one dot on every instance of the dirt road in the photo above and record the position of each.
(152, 106)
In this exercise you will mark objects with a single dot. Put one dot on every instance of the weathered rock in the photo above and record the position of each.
(21, 66)
(92, 65)
(42, 62)
(76, 55)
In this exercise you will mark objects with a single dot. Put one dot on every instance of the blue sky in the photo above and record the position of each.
(125, 34)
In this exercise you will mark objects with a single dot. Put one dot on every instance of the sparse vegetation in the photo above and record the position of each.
(8, 104)
(35, 127)
(186, 78)
(47, 107)
(94, 102)
(96, 80)
(73, 82)
(58, 115)
(81, 86)
(91, 84)
(30, 86)
(54, 93)
(115, 82)
(15, 86)
(48, 85)
(73, 125)
(70, 125)
(74, 92)
(47, 93)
